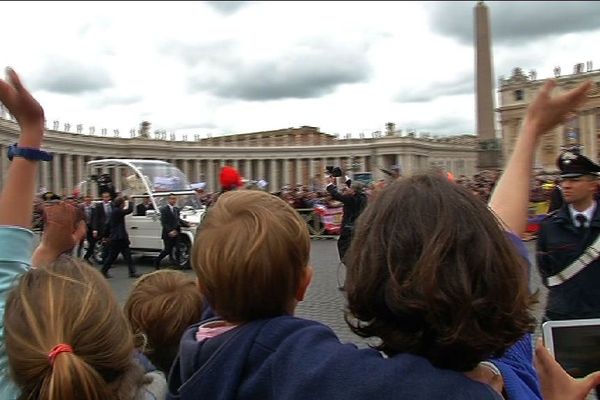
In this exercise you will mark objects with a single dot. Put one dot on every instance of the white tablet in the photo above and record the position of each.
(575, 344)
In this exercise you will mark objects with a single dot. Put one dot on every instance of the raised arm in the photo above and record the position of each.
(16, 201)
(510, 198)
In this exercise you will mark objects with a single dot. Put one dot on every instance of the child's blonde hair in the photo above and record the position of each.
(69, 306)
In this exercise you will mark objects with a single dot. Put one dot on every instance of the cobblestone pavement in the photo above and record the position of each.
(324, 302)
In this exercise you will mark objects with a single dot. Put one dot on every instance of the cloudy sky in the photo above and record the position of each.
(234, 67)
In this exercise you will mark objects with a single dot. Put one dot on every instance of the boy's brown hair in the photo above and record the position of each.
(161, 306)
(250, 255)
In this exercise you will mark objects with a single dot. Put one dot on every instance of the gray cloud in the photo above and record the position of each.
(198, 125)
(516, 21)
(103, 100)
(227, 7)
(444, 125)
(431, 91)
(306, 71)
(212, 53)
(60, 75)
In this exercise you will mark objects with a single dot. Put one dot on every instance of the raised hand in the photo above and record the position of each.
(547, 111)
(556, 383)
(20, 103)
(58, 236)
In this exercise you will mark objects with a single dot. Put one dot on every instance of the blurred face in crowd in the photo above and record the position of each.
(87, 200)
(579, 189)
(106, 197)
(172, 200)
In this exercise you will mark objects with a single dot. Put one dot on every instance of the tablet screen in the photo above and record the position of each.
(577, 348)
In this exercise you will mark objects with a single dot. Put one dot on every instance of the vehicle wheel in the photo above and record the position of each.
(184, 248)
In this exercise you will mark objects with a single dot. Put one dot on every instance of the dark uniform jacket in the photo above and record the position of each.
(353, 205)
(559, 244)
(100, 221)
(116, 225)
(170, 220)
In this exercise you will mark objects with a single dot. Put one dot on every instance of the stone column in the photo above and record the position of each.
(56, 174)
(79, 169)
(182, 166)
(298, 171)
(69, 173)
(261, 170)
(379, 164)
(286, 172)
(211, 178)
(196, 171)
(311, 170)
(236, 164)
(248, 169)
(273, 181)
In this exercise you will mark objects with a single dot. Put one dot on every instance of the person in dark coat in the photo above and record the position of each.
(564, 236)
(171, 228)
(87, 209)
(118, 239)
(101, 217)
(145, 205)
(354, 201)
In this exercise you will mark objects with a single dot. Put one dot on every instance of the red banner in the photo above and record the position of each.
(331, 218)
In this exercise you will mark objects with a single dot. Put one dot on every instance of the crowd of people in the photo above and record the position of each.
(437, 275)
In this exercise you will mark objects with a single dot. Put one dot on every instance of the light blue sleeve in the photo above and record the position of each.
(16, 246)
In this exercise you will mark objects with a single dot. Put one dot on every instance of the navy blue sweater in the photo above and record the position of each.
(288, 358)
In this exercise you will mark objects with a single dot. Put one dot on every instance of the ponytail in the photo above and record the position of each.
(66, 336)
(71, 378)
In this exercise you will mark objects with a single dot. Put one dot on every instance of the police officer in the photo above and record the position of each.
(567, 251)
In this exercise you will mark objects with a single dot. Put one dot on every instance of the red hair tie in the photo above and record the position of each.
(56, 350)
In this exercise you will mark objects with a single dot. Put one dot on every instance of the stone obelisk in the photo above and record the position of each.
(489, 147)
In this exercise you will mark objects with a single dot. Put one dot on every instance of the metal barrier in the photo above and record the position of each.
(316, 229)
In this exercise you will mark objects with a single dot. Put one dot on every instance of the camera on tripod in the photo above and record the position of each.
(332, 171)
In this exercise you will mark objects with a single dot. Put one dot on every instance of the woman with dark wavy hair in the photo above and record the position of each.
(434, 272)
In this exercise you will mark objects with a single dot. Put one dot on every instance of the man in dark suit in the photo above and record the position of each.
(118, 239)
(88, 210)
(355, 201)
(101, 218)
(171, 228)
(145, 205)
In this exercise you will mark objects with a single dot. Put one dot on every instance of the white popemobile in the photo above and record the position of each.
(153, 179)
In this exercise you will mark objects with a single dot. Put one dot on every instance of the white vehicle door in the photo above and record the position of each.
(145, 232)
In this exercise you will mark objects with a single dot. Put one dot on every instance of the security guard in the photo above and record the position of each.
(568, 246)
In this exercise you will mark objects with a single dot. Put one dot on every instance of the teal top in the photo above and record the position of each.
(16, 246)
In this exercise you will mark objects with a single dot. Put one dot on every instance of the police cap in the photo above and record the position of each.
(573, 165)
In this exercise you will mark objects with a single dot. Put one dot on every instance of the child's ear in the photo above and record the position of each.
(305, 280)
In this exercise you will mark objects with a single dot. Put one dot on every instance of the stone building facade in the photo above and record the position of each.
(281, 157)
(516, 92)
